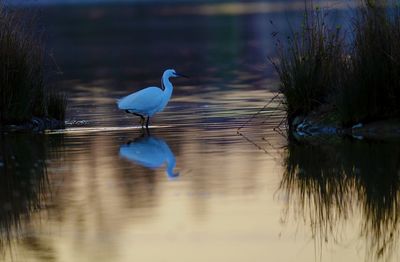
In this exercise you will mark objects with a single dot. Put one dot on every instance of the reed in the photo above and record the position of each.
(372, 88)
(357, 76)
(23, 90)
(310, 64)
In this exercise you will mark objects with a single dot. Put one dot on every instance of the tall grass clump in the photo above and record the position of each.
(23, 91)
(357, 76)
(309, 66)
(373, 89)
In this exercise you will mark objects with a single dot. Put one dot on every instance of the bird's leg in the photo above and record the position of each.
(147, 122)
(142, 120)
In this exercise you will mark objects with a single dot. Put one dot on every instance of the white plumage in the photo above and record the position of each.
(147, 102)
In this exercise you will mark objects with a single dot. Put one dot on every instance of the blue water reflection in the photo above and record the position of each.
(151, 152)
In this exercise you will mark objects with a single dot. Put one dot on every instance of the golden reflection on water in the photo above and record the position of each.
(224, 206)
(231, 201)
(109, 208)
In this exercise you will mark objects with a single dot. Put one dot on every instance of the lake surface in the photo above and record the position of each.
(194, 189)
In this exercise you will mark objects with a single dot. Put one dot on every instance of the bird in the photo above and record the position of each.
(151, 100)
(150, 152)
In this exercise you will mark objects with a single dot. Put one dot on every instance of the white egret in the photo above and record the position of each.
(147, 102)
(150, 152)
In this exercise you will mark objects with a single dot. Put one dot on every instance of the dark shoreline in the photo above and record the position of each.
(308, 127)
(36, 124)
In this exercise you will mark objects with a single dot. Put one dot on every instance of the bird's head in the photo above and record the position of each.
(172, 73)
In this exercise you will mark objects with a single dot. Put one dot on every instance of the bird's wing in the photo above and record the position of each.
(143, 101)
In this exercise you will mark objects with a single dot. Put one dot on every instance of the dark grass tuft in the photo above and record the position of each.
(56, 105)
(23, 90)
(359, 80)
(310, 66)
(372, 90)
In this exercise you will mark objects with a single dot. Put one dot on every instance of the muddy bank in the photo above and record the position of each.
(36, 124)
(313, 126)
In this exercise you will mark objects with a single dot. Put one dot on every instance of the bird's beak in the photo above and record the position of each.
(181, 75)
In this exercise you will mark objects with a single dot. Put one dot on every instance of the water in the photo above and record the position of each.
(92, 193)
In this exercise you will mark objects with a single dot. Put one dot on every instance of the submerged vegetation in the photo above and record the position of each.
(23, 90)
(26, 187)
(346, 183)
(356, 76)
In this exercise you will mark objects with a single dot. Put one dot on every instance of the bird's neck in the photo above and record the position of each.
(166, 85)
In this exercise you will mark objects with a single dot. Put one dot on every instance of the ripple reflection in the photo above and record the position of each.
(25, 163)
(333, 182)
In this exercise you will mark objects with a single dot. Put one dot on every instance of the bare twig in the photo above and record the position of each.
(258, 112)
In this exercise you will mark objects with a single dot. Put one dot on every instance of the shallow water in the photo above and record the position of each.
(192, 190)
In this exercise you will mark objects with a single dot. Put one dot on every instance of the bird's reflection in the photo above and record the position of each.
(332, 182)
(151, 152)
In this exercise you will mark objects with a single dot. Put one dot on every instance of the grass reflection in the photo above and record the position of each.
(328, 183)
(24, 184)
